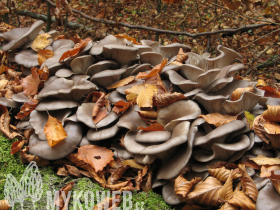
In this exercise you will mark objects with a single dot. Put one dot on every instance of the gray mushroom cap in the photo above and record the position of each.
(151, 58)
(152, 136)
(268, 198)
(27, 58)
(142, 48)
(120, 152)
(24, 124)
(16, 38)
(144, 159)
(20, 98)
(81, 63)
(106, 133)
(64, 73)
(55, 104)
(8, 102)
(122, 89)
(101, 66)
(116, 96)
(171, 50)
(58, 44)
(169, 195)
(141, 68)
(67, 146)
(154, 45)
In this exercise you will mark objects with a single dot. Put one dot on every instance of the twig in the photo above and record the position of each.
(266, 71)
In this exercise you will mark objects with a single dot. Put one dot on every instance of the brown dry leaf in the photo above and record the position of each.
(261, 82)
(97, 157)
(3, 8)
(62, 172)
(43, 55)
(148, 114)
(30, 83)
(154, 71)
(228, 206)
(98, 111)
(117, 174)
(145, 97)
(121, 106)
(140, 177)
(3, 83)
(59, 201)
(17, 146)
(27, 133)
(206, 192)
(76, 38)
(26, 109)
(250, 163)
(232, 4)
(133, 164)
(165, 99)
(276, 184)
(9, 93)
(193, 207)
(80, 163)
(153, 127)
(27, 158)
(43, 75)
(132, 93)
(272, 113)
(121, 82)
(248, 185)
(266, 170)
(5, 126)
(222, 174)
(4, 204)
(271, 128)
(238, 92)
(270, 92)
(95, 176)
(73, 170)
(54, 131)
(122, 186)
(3, 109)
(182, 186)
(218, 119)
(259, 123)
(240, 199)
(156, 80)
(107, 203)
(41, 42)
(133, 40)
(181, 56)
(263, 160)
(226, 192)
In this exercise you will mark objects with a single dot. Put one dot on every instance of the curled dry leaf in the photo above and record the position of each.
(270, 92)
(272, 113)
(228, 206)
(263, 160)
(250, 119)
(218, 119)
(54, 131)
(3, 8)
(232, 4)
(182, 186)
(133, 164)
(240, 199)
(108, 203)
(206, 192)
(153, 127)
(27, 158)
(98, 111)
(121, 106)
(181, 56)
(62, 172)
(148, 114)
(27, 133)
(259, 122)
(133, 40)
(30, 83)
(261, 82)
(63, 193)
(266, 170)
(17, 146)
(117, 174)
(97, 157)
(145, 97)
(275, 179)
(238, 92)
(250, 163)
(121, 83)
(43, 55)
(76, 38)
(222, 174)
(5, 126)
(73, 170)
(165, 99)
(156, 80)
(248, 185)
(26, 109)
(154, 71)
(4, 205)
(271, 128)
(41, 42)
(140, 177)
(226, 192)
(95, 176)
(3, 83)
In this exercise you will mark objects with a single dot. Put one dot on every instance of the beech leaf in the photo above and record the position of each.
(26, 109)
(41, 42)
(17, 146)
(226, 192)
(266, 170)
(133, 40)
(99, 112)
(218, 119)
(222, 174)
(121, 106)
(133, 164)
(270, 92)
(30, 83)
(154, 71)
(145, 97)
(236, 94)
(165, 99)
(240, 199)
(43, 55)
(272, 113)
(153, 127)
(263, 160)
(122, 82)
(182, 186)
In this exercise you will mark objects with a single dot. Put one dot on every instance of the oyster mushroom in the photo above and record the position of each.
(80, 64)
(27, 58)
(171, 50)
(106, 133)
(55, 104)
(101, 66)
(151, 58)
(268, 198)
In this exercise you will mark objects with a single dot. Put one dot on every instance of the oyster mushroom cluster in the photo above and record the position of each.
(139, 75)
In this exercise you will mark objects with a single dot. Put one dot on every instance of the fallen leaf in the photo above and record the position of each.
(228, 206)
(206, 192)
(41, 42)
(43, 55)
(62, 172)
(133, 40)
(236, 94)
(250, 163)
(277, 76)
(4, 204)
(97, 157)
(240, 199)
(148, 114)
(154, 71)
(63, 193)
(121, 106)
(266, 170)
(3, 83)
(226, 192)
(101, 14)
(232, 4)
(121, 82)
(145, 97)
(250, 119)
(156, 80)
(165, 99)
(153, 127)
(182, 56)
(78, 162)
(9, 93)
(259, 123)
(98, 111)
(27, 133)
(218, 119)
(133, 164)
(261, 82)
(73, 170)
(182, 186)
(54, 131)
(272, 113)
(30, 83)
(27, 158)
(107, 203)
(5, 126)
(140, 177)
(117, 174)
(263, 160)
(222, 174)
(271, 128)
(76, 38)
(17, 146)
(26, 109)
(270, 92)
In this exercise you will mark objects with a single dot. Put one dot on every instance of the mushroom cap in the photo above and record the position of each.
(122, 54)
(27, 58)
(170, 67)
(55, 104)
(38, 120)
(116, 96)
(19, 36)
(84, 115)
(145, 159)
(104, 134)
(61, 43)
(170, 50)
(20, 98)
(169, 195)
(24, 124)
(142, 48)
(213, 104)
(8, 102)
(268, 198)
(191, 71)
(152, 136)
(64, 73)
(120, 152)
(154, 45)
(85, 141)
(129, 69)
(151, 58)
(122, 89)
(80, 64)
(101, 66)
(140, 68)
(176, 112)
(67, 146)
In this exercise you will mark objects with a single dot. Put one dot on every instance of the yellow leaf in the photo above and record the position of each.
(218, 119)
(248, 185)
(238, 92)
(41, 42)
(133, 92)
(263, 160)
(227, 190)
(122, 82)
(2, 68)
(272, 113)
(54, 131)
(261, 82)
(145, 97)
(43, 55)
(4, 205)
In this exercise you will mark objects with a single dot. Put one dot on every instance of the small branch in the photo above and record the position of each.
(48, 28)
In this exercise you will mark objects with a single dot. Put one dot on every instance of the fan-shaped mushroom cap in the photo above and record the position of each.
(120, 152)
(193, 93)
(58, 44)
(171, 50)
(143, 48)
(64, 73)
(268, 198)
(27, 58)
(176, 112)
(179, 136)
(259, 151)
(152, 136)
(8, 102)
(259, 182)
(67, 146)
(85, 141)
(24, 124)
(38, 120)
(97, 49)
(169, 170)
(191, 71)
(116, 96)
(122, 54)
(170, 67)
(106, 133)
(72, 118)
(129, 69)
(107, 77)
(169, 195)
(81, 63)
(151, 58)
(140, 68)
(55, 104)
(145, 159)
(16, 38)
(101, 66)
(20, 98)
(84, 115)
(213, 104)
(154, 45)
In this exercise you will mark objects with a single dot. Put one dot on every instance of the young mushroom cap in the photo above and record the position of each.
(154, 45)
(64, 73)
(67, 146)
(20, 98)
(115, 96)
(213, 104)
(8, 102)
(120, 152)
(142, 48)
(58, 44)
(151, 58)
(145, 159)
(141, 68)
